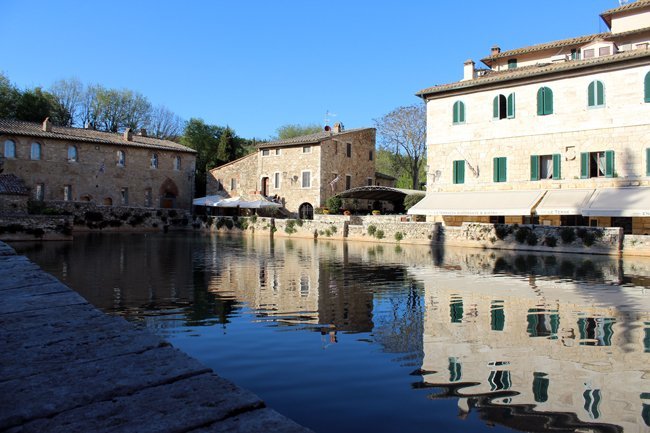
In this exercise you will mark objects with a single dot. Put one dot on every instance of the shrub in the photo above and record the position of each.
(136, 220)
(412, 199)
(588, 238)
(91, 216)
(372, 229)
(229, 224)
(299, 222)
(531, 238)
(581, 232)
(35, 207)
(568, 235)
(114, 223)
(125, 216)
(172, 213)
(290, 227)
(254, 219)
(334, 204)
(550, 241)
(333, 229)
(37, 232)
(219, 223)
(14, 228)
(521, 234)
(399, 236)
(379, 234)
(502, 231)
(328, 233)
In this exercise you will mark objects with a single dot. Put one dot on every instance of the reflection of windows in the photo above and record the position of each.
(306, 149)
(348, 150)
(540, 387)
(276, 180)
(304, 285)
(596, 331)
(456, 310)
(541, 324)
(645, 411)
(455, 370)
(646, 339)
(348, 181)
(499, 380)
(233, 184)
(597, 164)
(266, 152)
(545, 166)
(177, 163)
(154, 160)
(592, 402)
(497, 316)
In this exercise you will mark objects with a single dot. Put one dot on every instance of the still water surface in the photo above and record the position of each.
(349, 337)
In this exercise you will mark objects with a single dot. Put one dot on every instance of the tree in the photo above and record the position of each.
(204, 139)
(403, 133)
(164, 124)
(35, 105)
(69, 94)
(9, 96)
(227, 146)
(294, 130)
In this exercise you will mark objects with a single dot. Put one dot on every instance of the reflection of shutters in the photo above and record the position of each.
(540, 387)
(534, 167)
(533, 321)
(557, 166)
(499, 380)
(456, 311)
(555, 323)
(592, 402)
(647, 161)
(645, 414)
(497, 318)
(609, 163)
(584, 165)
(646, 339)
(608, 332)
(455, 370)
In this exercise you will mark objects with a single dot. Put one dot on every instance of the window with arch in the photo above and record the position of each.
(503, 107)
(121, 158)
(459, 112)
(647, 88)
(10, 149)
(544, 101)
(35, 153)
(177, 163)
(596, 94)
(73, 155)
(154, 160)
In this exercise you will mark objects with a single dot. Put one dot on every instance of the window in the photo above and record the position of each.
(306, 179)
(306, 149)
(647, 162)
(370, 155)
(589, 53)
(500, 169)
(646, 88)
(542, 323)
(124, 195)
(497, 316)
(459, 112)
(278, 152)
(512, 63)
(369, 181)
(267, 152)
(596, 331)
(36, 151)
(596, 94)
(67, 192)
(72, 154)
(503, 107)
(575, 54)
(154, 160)
(456, 310)
(348, 150)
(177, 163)
(604, 51)
(219, 185)
(276, 181)
(597, 164)
(544, 101)
(545, 166)
(233, 184)
(121, 158)
(148, 197)
(540, 387)
(10, 149)
(348, 181)
(40, 192)
(459, 172)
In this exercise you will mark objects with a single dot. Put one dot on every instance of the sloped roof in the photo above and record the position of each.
(491, 77)
(310, 138)
(384, 176)
(607, 15)
(32, 129)
(11, 184)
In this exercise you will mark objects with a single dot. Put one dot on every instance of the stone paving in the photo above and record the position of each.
(67, 367)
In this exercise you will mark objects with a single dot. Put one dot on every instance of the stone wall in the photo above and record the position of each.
(239, 173)
(636, 245)
(13, 204)
(30, 227)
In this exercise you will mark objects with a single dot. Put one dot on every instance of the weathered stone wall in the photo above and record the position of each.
(30, 227)
(241, 173)
(96, 177)
(13, 204)
(636, 245)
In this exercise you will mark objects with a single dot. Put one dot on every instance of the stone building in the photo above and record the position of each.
(303, 172)
(556, 133)
(75, 164)
(13, 195)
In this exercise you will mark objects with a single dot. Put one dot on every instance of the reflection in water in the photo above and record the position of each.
(497, 340)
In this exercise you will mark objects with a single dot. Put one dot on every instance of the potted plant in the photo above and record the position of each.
(376, 212)
(347, 212)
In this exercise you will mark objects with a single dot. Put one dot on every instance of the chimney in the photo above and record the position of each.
(128, 135)
(87, 125)
(495, 50)
(143, 132)
(338, 127)
(468, 70)
(47, 126)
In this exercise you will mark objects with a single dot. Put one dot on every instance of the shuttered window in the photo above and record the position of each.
(503, 107)
(500, 169)
(511, 106)
(512, 63)
(597, 164)
(647, 162)
(596, 94)
(459, 172)
(647, 87)
(459, 112)
(545, 167)
(544, 101)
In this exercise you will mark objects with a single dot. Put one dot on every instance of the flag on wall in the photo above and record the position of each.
(333, 182)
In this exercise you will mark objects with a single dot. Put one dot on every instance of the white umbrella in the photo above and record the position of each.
(209, 200)
(257, 204)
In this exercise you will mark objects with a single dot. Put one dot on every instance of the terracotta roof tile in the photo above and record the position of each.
(31, 129)
(536, 70)
(630, 6)
(308, 139)
(12, 184)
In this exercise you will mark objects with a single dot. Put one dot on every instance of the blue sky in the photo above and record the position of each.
(257, 65)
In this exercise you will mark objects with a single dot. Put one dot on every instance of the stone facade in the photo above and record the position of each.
(108, 169)
(567, 143)
(303, 172)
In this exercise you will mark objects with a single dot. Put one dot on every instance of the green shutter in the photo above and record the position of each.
(534, 167)
(495, 169)
(584, 165)
(461, 171)
(591, 100)
(609, 163)
(495, 107)
(502, 170)
(455, 171)
(540, 101)
(647, 87)
(557, 166)
(600, 93)
(511, 106)
(461, 114)
(647, 162)
(548, 101)
(455, 112)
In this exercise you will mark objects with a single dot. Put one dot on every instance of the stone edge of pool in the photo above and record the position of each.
(66, 366)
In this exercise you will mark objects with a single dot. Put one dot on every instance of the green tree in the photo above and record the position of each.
(403, 133)
(204, 139)
(35, 105)
(227, 147)
(294, 130)
(68, 94)
(9, 96)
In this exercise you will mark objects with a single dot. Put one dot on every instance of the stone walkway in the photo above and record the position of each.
(67, 367)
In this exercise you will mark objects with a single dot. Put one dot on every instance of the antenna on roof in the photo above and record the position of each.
(328, 114)
(623, 2)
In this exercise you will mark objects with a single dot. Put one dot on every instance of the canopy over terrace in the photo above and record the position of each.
(387, 193)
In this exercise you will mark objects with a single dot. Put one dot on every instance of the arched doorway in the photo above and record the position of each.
(265, 186)
(168, 194)
(306, 211)
(108, 201)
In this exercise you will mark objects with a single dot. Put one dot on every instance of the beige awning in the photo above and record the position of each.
(483, 203)
(625, 202)
(564, 202)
